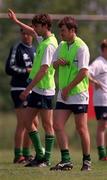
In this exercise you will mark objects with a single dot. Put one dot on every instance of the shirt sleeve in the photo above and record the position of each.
(7, 65)
(95, 68)
(11, 66)
(55, 55)
(83, 57)
(48, 55)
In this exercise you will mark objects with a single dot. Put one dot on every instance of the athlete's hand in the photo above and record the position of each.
(64, 93)
(24, 95)
(62, 62)
(28, 70)
(12, 15)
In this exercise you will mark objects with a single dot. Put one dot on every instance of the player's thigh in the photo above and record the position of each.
(30, 114)
(60, 117)
(101, 124)
(20, 116)
(46, 116)
(80, 115)
(81, 121)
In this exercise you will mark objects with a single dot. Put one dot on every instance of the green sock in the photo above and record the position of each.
(86, 157)
(17, 152)
(65, 155)
(37, 144)
(26, 152)
(101, 151)
(49, 142)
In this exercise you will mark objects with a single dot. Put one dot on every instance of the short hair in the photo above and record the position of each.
(69, 22)
(103, 44)
(43, 19)
(22, 30)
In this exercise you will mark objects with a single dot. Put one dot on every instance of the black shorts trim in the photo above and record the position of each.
(18, 103)
(75, 108)
(101, 112)
(40, 101)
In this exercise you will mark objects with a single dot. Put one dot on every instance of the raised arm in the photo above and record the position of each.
(13, 17)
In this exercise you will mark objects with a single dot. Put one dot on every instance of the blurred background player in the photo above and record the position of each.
(98, 75)
(18, 66)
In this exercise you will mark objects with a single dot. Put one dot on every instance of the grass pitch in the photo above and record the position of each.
(10, 171)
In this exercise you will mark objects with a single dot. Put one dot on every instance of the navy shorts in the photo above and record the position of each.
(101, 112)
(40, 101)
(75, 108)
(18, 103)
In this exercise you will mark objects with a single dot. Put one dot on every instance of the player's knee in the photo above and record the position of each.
(82, 130)
(48, 127)
(57, 127)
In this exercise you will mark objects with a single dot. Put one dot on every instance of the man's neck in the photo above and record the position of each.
(104, 56)
(71, 41)
(47, 34)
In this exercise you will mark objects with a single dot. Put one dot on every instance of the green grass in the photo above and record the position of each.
(9, 171)
(8, 123)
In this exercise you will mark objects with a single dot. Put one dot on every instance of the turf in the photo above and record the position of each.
(9, 171)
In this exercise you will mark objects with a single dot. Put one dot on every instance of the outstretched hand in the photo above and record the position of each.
(12, 15)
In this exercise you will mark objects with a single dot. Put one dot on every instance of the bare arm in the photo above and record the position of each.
(13, 17)
(80, 76)
(43, 70)
(94, 81)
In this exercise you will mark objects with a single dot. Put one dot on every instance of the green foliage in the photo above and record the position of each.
(57, 6)
(49, 6)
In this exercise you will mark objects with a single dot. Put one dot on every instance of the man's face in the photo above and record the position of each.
(26, 37)
(39, 29)
(66, 34)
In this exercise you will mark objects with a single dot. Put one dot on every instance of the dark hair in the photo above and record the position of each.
(21, 30)
(43, 19)
(69, 22)
(103, 44)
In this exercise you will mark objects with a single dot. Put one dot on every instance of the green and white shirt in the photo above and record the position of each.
(81, 61)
